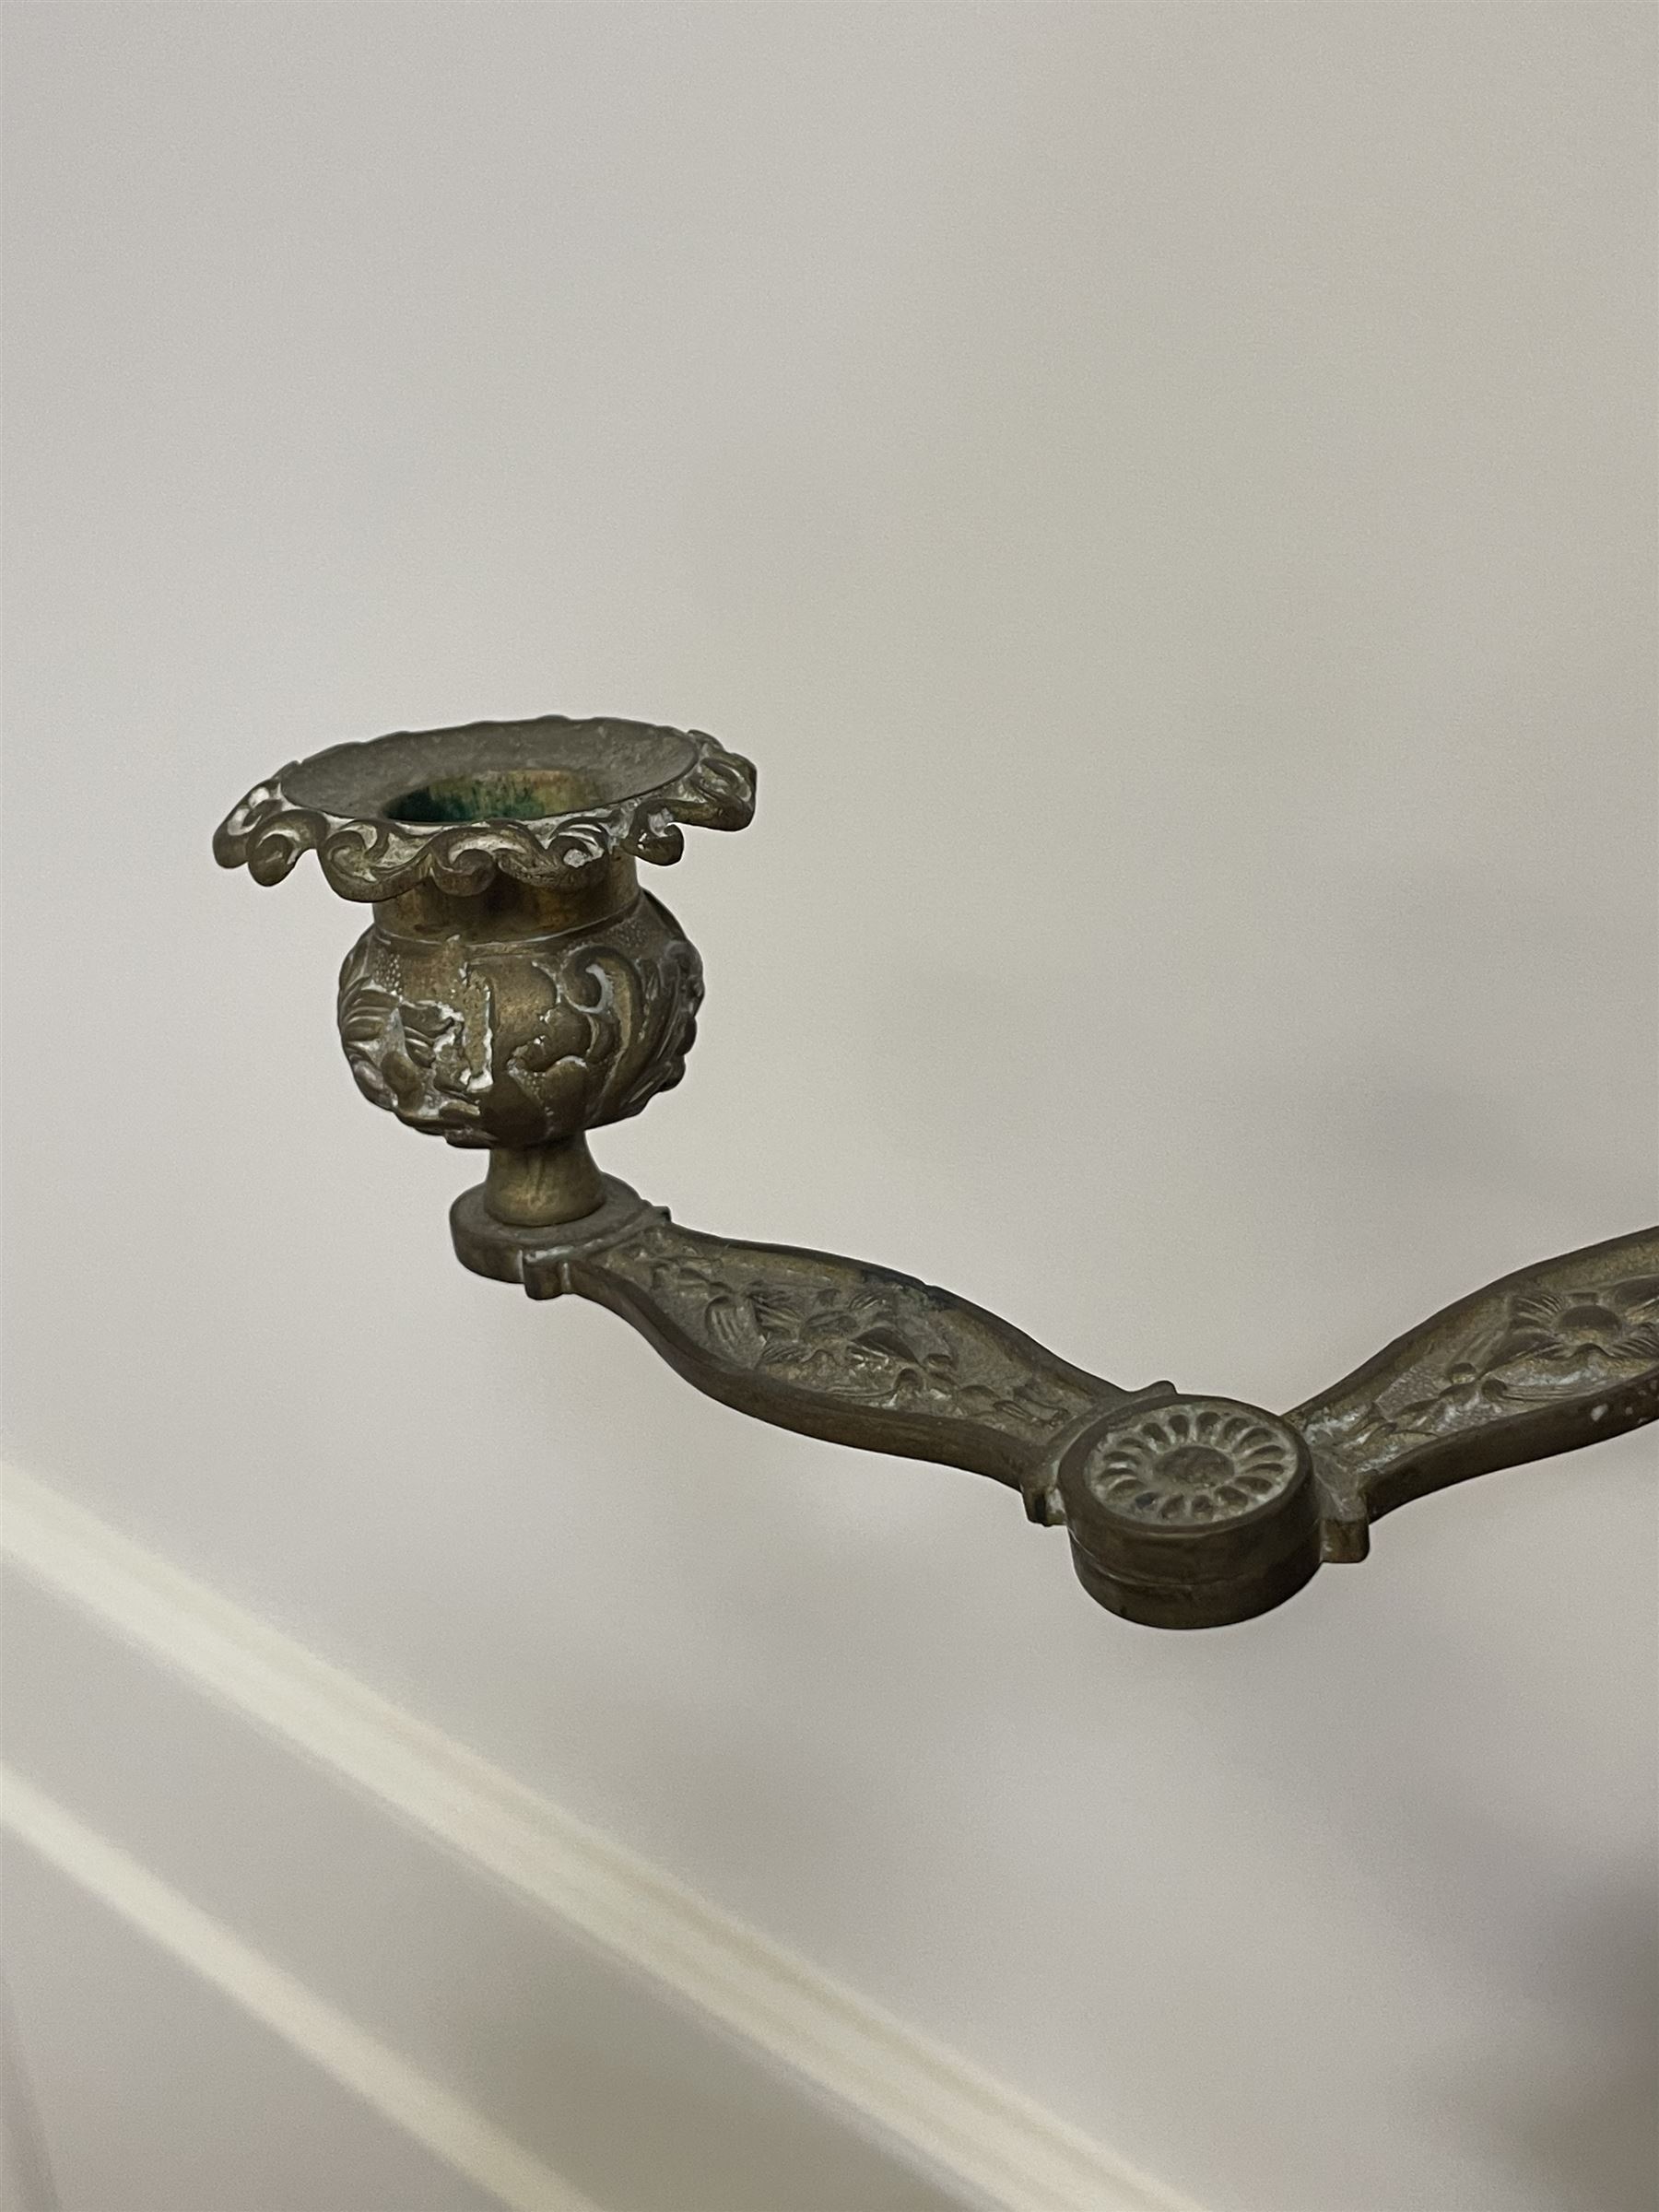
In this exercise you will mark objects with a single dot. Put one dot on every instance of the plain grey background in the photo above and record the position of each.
(1167, 496)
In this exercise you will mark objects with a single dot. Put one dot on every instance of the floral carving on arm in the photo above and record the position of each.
(842, 1349)
(1582, 1334)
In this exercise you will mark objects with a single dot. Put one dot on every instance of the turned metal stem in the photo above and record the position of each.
(542, 1184)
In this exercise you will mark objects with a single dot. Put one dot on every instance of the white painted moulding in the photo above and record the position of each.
(938, 2106)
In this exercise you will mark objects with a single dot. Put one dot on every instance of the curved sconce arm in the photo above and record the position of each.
(1183, 1511)
(833, 1347)
(517, 988)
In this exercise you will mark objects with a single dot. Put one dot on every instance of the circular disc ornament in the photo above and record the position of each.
(1190, 1513)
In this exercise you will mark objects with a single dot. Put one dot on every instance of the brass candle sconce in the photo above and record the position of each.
(516, 988)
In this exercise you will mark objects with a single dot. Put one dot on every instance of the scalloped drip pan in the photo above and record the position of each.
(491, 771)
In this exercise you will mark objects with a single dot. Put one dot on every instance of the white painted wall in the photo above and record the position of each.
(1166, 495)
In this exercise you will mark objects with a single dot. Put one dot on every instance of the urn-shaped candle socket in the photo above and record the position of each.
(516, 987)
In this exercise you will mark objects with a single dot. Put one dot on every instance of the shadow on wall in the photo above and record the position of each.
(1565, 2094)
(1585, 2141)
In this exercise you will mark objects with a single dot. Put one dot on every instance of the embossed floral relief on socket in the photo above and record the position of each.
(522, 1044)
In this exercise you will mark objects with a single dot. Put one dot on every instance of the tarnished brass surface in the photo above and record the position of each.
(517, 988)
(1552, 1357)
